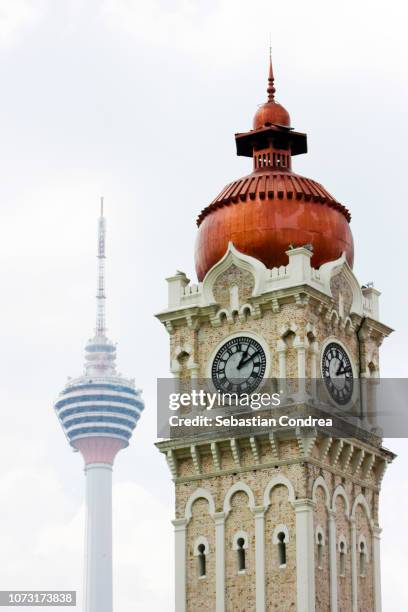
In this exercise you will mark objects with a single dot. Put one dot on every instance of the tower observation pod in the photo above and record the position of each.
(98, 413)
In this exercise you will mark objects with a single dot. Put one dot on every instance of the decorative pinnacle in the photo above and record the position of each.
(271, 80)
(100, 288)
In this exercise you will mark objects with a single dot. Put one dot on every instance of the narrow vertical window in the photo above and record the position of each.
(282, 548)
(320, 551)
(201, 560)
(241, 554)
(363, 558)
(342, 559)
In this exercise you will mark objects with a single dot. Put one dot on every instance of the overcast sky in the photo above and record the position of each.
(139, 101)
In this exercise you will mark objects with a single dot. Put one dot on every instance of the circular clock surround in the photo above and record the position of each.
(239, 365)
(337, 372)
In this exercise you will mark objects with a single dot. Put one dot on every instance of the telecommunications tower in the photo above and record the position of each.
(98, 412)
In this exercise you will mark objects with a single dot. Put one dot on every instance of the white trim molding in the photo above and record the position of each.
(275, 482)
(354, 581)
(235, 488)
(320, 531)
(361, 501)
(201, 540)
(244, 262)
(180, 565)
(219, 519)
(260, 557)
(240, 535)
(280, 529)
(333, 561)
(199, 494)
(377, 568)
(340, 491)
(320, 482)
(305, 565)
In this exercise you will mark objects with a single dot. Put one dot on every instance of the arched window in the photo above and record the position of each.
(320, 550)
(201, 549)
(363, 559)
(282, 548)
(241, 555)
(240, 544)
(201, 560)
(320, 542)
(280, 538)
(342, 548)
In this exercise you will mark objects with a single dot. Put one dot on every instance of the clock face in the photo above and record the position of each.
(239, 366)
(337, 373)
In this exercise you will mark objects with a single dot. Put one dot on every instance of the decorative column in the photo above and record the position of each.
(377, 568)
(219, 518)
(260, 557)
(305, 569)
(180, 526)
(333, 561)
(314, 351)
(354, 582)
(281, 349)
(98, 539)
(300, 347)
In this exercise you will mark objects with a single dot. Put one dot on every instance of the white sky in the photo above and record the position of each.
(139, 101)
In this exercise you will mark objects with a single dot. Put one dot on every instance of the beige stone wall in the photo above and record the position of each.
(343, 582)
(280, 581)
(240, 586)
(234, 276)
(322, 573)
(200, 591)
(365, 584)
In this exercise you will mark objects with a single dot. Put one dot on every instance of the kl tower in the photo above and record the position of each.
(98, 413)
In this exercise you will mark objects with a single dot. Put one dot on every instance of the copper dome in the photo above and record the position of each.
(266, 212)
(271, 113)
(272, 208)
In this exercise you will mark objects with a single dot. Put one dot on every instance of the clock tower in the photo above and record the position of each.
(283, 518)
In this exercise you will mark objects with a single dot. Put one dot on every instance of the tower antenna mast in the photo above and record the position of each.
(100, 288)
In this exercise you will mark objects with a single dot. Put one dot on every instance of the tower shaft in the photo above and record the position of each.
(98, 541)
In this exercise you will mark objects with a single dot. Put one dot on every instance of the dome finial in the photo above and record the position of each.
(271, 79)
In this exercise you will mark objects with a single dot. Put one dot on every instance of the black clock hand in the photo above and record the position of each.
(242, 363)
(244, 354)
(344, 371)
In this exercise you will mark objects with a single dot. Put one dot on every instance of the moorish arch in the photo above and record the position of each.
(235, 488)
(199, 494)
(320, 482)
(275, 482)
(341, 492)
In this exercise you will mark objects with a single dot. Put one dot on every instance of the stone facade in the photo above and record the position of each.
(302, 491)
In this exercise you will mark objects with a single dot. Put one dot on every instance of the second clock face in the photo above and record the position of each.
(337, 373)
(239, 366)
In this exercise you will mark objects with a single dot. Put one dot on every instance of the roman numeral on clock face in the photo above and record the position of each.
(337, 373)
(240, 362)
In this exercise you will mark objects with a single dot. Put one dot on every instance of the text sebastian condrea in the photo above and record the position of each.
(254, 421)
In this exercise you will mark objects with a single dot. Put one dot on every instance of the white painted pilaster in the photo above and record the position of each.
(377, 569)
(219, 518)
(300, 347)
(305, 570)
(314, 370)
(180, 526)
(354, 581)
(333, 561)
(281, 348)
(260, 557)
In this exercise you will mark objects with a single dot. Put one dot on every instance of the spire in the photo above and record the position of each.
(100, 289)
(271, 80)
